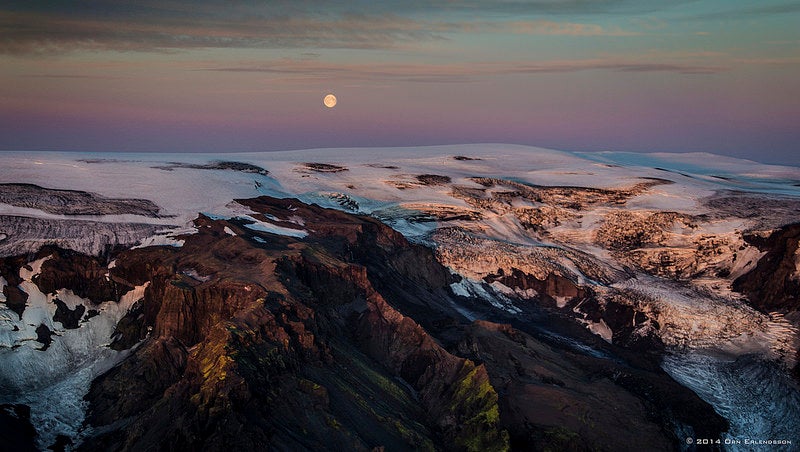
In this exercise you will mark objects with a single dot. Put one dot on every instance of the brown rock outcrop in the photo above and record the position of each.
(774, 284)
(85, 275)
(250, 331)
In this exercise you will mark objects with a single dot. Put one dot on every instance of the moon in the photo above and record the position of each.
(329, 101)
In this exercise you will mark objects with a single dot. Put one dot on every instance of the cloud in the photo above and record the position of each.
(302, 70)
(546, 27)
(214, 8)
(74, 76)
(771, 61)
(552, 7)
(22, 33)
(31, 28)
(750, 12)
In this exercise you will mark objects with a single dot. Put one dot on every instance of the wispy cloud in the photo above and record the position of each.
(22, 33)
(74, 76)
(26, 28)
(750, 12)
(546, 27)
(554, 7)
(301, 70)
(769, 61)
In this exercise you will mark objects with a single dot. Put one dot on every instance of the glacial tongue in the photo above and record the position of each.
(54, 343)
(757, 397)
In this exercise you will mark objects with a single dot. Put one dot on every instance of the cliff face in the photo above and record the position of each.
(774, 284)
(337, 333)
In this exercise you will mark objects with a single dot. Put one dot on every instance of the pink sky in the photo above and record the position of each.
(700, 77)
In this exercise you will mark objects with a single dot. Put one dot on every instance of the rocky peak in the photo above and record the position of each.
(279, 313)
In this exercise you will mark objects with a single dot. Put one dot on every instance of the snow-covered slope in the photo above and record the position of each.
(184, 184)
(52, 377)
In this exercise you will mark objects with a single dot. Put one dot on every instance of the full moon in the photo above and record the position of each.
(329, 101)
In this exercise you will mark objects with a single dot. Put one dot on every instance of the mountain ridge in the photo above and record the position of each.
(533, 277)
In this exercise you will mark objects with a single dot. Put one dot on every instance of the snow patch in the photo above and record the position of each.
(601, 329)
(245, 214)
(296, 220)
(746, 260)
(461, 289)
(475, 289)
(526, 294)
(264, 226)
(27, 272)
(167, 237)
(192, 273)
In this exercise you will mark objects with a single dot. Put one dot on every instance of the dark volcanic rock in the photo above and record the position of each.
(130, 329)
(561, 400)
(15, 297)
(464, 158)
(433, 179)
(44, 336)
(16, 431)
(323, 167)
(86, 276)
(91, 313)
(61, 443)
(553, 400)
(626, 231)
(456, 392)
(137, 383)
(563, 196)
(70, 318)
(218, 165)
(767, 211)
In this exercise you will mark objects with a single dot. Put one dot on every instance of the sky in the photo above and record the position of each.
(720, 76)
